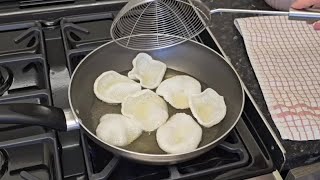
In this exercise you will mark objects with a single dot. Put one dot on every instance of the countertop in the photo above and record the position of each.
(298, 153)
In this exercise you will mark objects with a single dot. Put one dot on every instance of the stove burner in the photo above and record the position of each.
(3, 163)
(6, 79)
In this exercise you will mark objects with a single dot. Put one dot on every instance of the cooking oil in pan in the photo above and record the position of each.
(147, 142)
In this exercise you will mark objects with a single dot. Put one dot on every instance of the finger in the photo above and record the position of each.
(300, 4)
(316, 25)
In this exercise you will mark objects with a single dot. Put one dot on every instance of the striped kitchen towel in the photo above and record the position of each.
(285, 56)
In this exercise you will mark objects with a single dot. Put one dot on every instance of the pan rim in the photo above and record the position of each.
(146, 154)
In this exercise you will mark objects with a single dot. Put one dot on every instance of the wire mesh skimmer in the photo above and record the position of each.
(156, 24)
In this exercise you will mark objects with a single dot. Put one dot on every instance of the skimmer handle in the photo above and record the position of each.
(247, 11)
(294, 14)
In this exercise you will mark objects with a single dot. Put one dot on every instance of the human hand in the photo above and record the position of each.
(301, 4)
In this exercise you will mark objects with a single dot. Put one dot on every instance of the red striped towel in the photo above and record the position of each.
(285, 56)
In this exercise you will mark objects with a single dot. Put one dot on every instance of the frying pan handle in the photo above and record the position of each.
(33, 114)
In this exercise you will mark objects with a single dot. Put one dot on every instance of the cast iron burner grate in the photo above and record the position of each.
(29, 158)
(23, 57)
(26, 152)
(82, 34)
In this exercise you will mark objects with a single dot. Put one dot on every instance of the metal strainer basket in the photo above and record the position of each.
(156, 24)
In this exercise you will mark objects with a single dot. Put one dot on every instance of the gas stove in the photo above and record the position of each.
(41, 44)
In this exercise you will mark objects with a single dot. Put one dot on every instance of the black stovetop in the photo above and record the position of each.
(40, 51)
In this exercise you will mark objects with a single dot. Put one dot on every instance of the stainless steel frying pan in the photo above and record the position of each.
(190, 58)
